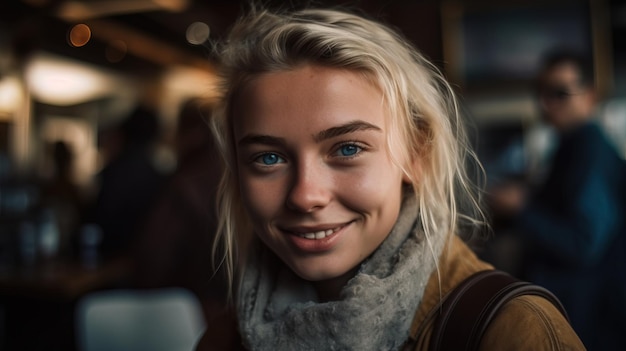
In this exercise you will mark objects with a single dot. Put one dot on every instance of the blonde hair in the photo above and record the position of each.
(425, 124)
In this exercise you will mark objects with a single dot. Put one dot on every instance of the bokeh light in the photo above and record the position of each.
(198, 33)
(79, 35)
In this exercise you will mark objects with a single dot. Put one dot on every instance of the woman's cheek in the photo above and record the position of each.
(261, 197)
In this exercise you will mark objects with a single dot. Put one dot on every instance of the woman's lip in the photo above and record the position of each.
(319, 232)
(314, 228)
(320, 243)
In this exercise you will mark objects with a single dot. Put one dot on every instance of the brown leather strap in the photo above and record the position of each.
(467, 311)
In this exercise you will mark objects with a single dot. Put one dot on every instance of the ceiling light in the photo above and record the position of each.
(58, 81)
(10, 94)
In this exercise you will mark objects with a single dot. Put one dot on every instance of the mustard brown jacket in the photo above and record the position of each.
(524, 323)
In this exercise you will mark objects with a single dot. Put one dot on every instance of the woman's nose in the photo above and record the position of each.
(310, 189)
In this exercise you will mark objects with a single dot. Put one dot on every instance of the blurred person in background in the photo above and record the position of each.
(129, 181)
(173, 245)
(572, 227)
(61, 194)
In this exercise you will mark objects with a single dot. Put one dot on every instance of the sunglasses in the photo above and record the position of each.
(558, 93)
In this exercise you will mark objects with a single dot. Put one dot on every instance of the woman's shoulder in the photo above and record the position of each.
(524, 323)
(530, 323)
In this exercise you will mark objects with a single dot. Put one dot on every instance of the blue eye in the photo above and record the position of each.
(349, 150)
(270, 159)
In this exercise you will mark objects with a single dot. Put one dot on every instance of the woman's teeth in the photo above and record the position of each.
(319, 234)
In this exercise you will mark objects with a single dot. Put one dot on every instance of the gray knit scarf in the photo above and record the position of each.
(279, 311)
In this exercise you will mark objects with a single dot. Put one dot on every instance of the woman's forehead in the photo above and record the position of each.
(309, 94)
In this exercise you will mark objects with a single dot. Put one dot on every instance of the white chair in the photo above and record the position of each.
(168, 319)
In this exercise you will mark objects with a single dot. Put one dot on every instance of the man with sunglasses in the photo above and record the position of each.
(573, 227)
(565, 91)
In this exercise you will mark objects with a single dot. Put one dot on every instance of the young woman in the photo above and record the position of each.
(342, 196)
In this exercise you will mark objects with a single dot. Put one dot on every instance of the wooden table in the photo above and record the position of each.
(37, 302)
(65, 279)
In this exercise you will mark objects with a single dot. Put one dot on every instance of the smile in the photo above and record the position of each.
(320, 234)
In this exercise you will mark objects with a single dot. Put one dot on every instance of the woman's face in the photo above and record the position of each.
(315, 174)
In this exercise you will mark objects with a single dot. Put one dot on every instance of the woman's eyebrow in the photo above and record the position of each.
(349, 127)
(329, 133)
(260, 139)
